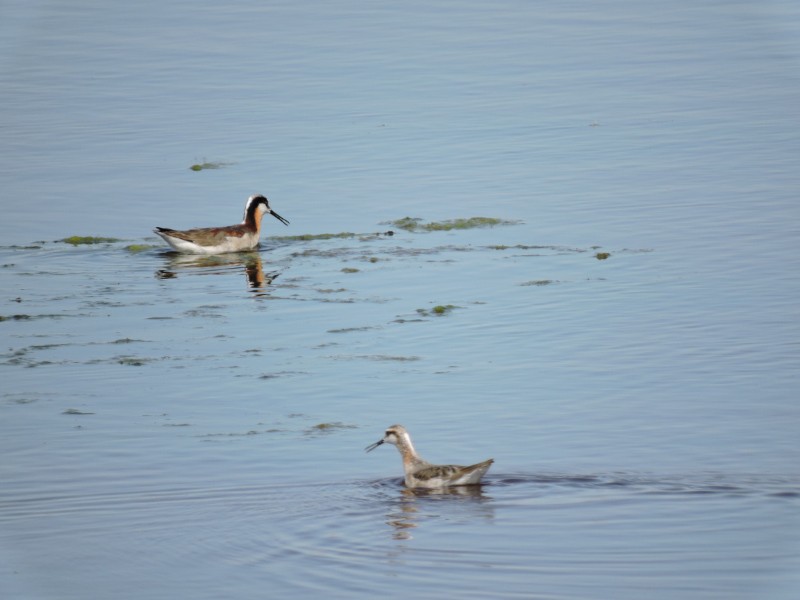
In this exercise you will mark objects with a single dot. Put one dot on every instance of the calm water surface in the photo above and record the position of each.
(194, 427)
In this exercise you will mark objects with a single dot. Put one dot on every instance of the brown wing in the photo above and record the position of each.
(207, 236)
(435, 471)
(477, 467)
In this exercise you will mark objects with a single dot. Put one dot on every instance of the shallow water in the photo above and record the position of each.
(194, 426)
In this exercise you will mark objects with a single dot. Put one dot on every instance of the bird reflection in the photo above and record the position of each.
(219, 264)
(407, 515)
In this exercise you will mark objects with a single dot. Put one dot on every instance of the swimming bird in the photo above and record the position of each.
(420, 473)
(218, 240)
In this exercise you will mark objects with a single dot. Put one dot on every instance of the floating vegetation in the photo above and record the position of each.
(75, 411)
(527, 247)
(416, 224)
(79, 240)
(132, 361)
(235, 434)
(136, 248)
(24, 317)
(349, 270)
(376, 357)
(280, 374)
(602, 255)
(438, 310)
(538, 282)
(352, 329)
(328, 427)
(203, 166)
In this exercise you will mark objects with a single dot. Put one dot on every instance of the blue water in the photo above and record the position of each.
(182, 427)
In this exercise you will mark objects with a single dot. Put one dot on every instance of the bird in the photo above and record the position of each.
(420, 473)
(219, 240)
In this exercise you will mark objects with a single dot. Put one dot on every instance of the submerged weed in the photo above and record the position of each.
(136, 248)
(334, 425)
(209, 165)
(416, 224)
(538, 282)
(308, 237)
(326, 428)
(132, 361)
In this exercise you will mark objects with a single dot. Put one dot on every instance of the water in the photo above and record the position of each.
(174, 426)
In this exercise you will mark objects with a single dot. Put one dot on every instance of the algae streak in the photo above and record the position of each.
(416, 224)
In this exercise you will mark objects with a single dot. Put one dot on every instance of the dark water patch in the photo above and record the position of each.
(33, 246)
(785, 494)
(20, 399)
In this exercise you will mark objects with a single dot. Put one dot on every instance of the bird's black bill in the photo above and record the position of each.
(372, 447)
(280, 218)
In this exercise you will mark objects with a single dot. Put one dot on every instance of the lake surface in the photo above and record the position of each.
(624, 341)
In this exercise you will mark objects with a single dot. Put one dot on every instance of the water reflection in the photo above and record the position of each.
(218, 264)
(415, 506)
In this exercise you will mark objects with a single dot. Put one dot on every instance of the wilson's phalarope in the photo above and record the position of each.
(218, 240)
(420, 473)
